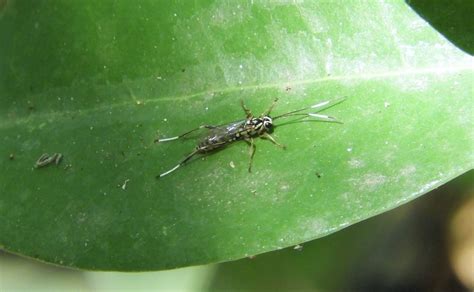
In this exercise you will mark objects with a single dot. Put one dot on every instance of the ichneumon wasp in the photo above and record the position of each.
(251, 127)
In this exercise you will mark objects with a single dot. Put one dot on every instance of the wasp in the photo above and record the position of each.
(248, 129)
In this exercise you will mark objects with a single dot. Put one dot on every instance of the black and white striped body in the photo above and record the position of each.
(219, 137)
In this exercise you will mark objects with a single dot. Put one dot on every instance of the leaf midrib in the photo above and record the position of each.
(51, 116)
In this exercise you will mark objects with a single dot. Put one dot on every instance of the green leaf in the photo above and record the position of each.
(98, 81)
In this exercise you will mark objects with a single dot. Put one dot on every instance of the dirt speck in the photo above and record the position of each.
(124, 185)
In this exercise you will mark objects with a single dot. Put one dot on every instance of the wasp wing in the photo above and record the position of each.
(222, 133)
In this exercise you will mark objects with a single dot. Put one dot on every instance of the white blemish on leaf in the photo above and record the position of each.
(427, 187)
(356, 163)
(372, 181)
(408, 170)
(311, 226)
(369, 182)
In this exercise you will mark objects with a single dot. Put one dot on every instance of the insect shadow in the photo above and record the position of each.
(219, 137)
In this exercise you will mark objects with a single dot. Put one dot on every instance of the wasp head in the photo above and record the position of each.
(267, 123)
(262, 124)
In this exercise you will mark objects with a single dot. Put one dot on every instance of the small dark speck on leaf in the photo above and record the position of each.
(183, 70)
(318, 174)
(288, 88)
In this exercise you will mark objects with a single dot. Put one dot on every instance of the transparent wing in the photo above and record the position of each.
(226, 129)
(207, 131)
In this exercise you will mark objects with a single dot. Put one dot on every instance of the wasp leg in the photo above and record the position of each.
(182, 135)
(248, 113)
(252, 149)
(269, 137)
(269, 110)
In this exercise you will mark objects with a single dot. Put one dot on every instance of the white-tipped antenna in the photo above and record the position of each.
(319, 107)
(321, 104)
(328, 103)
(324, 117)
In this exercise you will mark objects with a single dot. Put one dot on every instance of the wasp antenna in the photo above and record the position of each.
(321, 104)
(329, 103)
(324, 118)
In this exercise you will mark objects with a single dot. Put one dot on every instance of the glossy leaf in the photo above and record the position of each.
(99, 81)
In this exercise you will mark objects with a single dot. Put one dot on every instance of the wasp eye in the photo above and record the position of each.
(267, 122)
